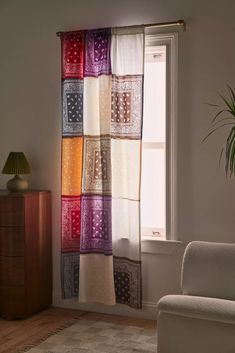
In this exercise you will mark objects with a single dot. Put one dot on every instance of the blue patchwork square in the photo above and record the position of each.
(70, 274)
(72, 107)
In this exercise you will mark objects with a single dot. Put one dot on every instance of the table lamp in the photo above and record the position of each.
(16, 163)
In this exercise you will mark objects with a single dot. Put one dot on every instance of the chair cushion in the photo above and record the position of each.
(208, 270)
(199, 307)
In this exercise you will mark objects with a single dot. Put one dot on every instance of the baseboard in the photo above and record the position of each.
(148, 311)
(151, 305)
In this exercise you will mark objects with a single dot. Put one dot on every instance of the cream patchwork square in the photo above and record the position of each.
(125, 160)
(97, 105)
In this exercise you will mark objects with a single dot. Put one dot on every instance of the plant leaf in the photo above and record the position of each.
(230, 152)
(218, 127)
(231, 92)
(212, 105)
(232, 155)
(221, 120)
(218, 114)
(221, 154)
(225, 116)
(226, 102)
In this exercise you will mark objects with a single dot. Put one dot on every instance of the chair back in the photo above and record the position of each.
(208, 270)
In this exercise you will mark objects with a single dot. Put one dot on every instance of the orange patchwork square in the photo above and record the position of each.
(72, 165)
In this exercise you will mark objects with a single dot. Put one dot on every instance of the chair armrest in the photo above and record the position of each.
(205, 308)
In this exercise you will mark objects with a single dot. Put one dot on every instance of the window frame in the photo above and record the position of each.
(170, 40)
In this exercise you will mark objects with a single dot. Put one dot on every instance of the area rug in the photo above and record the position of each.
(20, 335)
(97, 336)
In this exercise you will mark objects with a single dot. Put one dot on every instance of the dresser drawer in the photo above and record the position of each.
(25, 253)
(12, 302)
(11, 241)
(12, 271)
(11, 211)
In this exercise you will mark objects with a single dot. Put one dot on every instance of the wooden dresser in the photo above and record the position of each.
(25, 253)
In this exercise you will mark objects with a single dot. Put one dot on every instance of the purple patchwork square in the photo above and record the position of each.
(100, 224)
(97, 52)
(96, 225)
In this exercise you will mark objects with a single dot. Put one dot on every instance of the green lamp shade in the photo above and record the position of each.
(16, 163)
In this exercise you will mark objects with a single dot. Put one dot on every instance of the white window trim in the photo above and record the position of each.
(153, 145)
(171, 42)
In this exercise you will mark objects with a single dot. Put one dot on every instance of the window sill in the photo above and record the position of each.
(154, 245)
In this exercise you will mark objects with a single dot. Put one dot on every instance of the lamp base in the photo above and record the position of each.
(17, 184)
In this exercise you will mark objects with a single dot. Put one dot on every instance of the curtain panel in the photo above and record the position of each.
(102, 109)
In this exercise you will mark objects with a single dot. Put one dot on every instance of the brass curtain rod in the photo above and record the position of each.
(180, 23)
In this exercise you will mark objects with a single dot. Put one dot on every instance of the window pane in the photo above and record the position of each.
(153, 189)
(155, 94)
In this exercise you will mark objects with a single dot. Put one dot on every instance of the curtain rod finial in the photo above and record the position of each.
(183, 24)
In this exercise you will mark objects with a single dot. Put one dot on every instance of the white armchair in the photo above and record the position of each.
(202, 319)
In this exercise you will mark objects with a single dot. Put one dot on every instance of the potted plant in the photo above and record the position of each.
(226, 116)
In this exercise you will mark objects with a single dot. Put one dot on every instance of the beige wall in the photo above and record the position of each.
(30, 112)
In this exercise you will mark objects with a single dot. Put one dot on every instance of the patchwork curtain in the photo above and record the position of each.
(102, 90)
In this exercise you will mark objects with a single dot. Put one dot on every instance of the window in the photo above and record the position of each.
(159, 137)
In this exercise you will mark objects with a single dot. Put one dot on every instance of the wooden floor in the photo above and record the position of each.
(18, 334)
